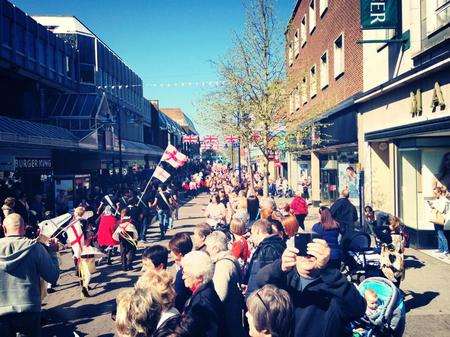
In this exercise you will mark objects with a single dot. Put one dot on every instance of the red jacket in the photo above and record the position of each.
(106, 228)
(299, 206)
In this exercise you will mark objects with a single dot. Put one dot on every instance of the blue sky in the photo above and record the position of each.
(163, 41)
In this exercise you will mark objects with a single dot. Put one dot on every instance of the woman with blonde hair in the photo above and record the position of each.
(159, 285)
(137, 313)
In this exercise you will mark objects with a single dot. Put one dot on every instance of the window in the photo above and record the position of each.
(440, 14)
(31, 46)
(297, 42)
(323, 7)
(290, 54)
(41, 51)
(313, 81)
(20, 38)
(324, 70)
(51, 57)
(291, 102)
(303, 34)
(297, 97)
(304, 93)
(312, 16)
(6, 28)
(339, 62)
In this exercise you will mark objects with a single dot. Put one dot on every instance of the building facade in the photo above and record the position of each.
(404, 116)
(324, 71)
(72, 111)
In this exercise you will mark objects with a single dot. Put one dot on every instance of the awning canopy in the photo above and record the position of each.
(129, 146)
(22, 131)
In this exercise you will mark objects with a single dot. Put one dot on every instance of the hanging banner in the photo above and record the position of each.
(379, 14)
(190, 139)
(210, 139)
(231, 139)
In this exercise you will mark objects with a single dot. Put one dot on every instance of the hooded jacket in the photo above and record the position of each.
(323, 307)
(22, 263)
(269, 250)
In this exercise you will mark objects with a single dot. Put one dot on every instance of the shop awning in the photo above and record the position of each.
(22, 131)
(129, 146)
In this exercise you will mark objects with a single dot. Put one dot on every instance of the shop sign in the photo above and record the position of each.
(6, 163)
(379, 14)
(33, 163)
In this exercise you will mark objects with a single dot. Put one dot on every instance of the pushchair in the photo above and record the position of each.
(391, 321)
(360, 260)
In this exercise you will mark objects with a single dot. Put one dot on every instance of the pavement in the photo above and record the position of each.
(426, 288)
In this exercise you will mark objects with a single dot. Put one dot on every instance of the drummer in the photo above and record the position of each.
(127, 235)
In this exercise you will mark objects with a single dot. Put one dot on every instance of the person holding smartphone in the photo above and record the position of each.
(324, 301)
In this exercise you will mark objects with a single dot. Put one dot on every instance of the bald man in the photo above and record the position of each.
(22, 263)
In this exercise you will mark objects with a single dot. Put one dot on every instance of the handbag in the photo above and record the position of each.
(437, 217)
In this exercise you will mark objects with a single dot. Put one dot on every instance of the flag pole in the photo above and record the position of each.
(149, 181)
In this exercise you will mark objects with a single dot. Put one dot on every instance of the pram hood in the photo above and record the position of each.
(392, 301)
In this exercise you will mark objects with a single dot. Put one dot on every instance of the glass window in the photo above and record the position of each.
(297, 42)
(313, 81)
(41, 51)
(324, 70)
(20, 38)
(304, 92)
(312, 16)
(6, 29)
(303, 35)
(297, 97)
(51, 57)
(87, 73)
(290, 54)
(323, 6)
(31, 44)
(339, 62)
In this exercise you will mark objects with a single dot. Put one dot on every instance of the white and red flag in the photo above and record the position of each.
(174, 157)
(75, 237)
(210, 139)
(231, 139)
(190, 139)
(161, 174)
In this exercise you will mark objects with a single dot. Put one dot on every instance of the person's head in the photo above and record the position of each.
(137, 313)
(368, 211)
(215, 199)
(154, 258)
(269, 312)
(350, 171)
(268, 203)
(261, 229)
(237, 227)
(290, 225)
(345, 193)
(201, 231)
(265, 213)
(14, 225)
(10, 202)
(277, 227)
(107, 210)
(440, 191)
(371, 298)
(159, 285)
(198, 269)
(179, 246)
(394, 222)
(216, 243)
(242, 203)
(326, 219)
(22, 196)
(125, 213)
(78, 212)
(222, 194)
(38, 198)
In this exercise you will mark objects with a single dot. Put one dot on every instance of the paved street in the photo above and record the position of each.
(426, 288)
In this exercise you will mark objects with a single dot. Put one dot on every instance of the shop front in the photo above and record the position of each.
(404, 142)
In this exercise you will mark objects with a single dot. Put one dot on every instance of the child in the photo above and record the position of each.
(127, 235)
(374, 309)
(239, 249)
(154, 258)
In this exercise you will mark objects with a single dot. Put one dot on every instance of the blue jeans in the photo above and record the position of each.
(442, 240)
(164, 220)
(143, 229)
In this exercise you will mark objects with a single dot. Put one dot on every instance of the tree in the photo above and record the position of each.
(253, 98)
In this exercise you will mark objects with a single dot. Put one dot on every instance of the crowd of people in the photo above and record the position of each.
(245, 270)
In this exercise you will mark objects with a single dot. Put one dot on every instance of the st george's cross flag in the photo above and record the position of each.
(161, 174)
(75, 237)
(174, 157)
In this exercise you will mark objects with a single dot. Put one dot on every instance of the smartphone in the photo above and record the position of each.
(301, 241)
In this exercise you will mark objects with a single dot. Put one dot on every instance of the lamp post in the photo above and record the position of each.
(119, 136)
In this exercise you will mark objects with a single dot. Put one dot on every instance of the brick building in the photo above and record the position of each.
(324, 70)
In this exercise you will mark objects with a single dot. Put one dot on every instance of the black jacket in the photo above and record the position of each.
(206, 313)
(168, 327)
(344, 212)
(269, 250)
(324, 307)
